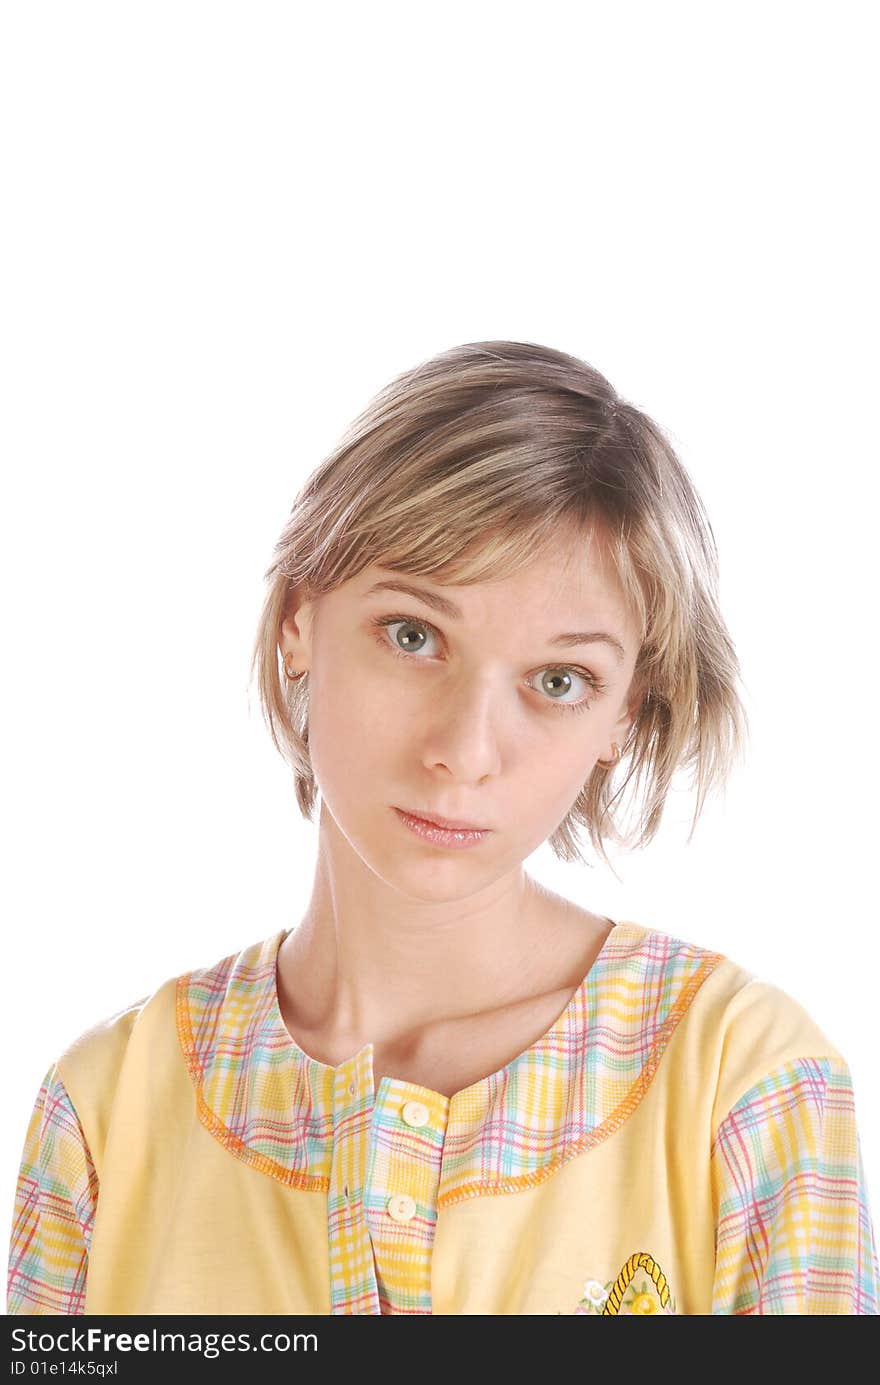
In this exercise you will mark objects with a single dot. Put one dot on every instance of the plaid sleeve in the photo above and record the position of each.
(793, 1221)
(55, 1201)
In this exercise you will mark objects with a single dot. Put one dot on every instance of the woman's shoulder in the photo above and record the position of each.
(91, 1064)
(90, 1067)
(745, 1026)
(741, 995)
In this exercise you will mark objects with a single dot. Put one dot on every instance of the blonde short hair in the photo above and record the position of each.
(456, 470)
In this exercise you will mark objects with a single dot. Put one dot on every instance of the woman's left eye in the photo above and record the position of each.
(560, 674)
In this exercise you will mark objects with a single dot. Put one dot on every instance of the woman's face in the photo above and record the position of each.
(483, 717)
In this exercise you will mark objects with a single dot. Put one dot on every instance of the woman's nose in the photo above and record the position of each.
(464, 733)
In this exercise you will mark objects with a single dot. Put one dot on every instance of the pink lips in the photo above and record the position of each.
(456, 838)
(437, 821)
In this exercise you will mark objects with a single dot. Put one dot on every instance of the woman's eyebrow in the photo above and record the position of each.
(452, 612)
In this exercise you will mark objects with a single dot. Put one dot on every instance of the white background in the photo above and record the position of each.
(224, 228)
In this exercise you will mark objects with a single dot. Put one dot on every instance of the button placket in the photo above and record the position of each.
(400, 1191)
(350, 1242)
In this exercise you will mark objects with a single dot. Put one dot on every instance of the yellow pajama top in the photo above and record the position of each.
(682, 1140)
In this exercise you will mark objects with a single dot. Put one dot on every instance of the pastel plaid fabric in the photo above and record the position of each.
(55, 1205)
(794, 1226)
(791, 1220)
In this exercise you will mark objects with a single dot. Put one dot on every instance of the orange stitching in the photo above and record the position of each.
(608, 1126)
(292, 1178)
(321, 1183)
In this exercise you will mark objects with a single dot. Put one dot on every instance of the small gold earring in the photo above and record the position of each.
(609, 764)
(291, 672)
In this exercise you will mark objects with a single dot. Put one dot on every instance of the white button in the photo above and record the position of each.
(401, 1207)
(415, 1113)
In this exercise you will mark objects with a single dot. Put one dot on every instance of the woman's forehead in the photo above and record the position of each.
(575, 587)
(578, 562)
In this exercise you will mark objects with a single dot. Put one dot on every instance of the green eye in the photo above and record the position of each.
(413, 643)
(408, 642)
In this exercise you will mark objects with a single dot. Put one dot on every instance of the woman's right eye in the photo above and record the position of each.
(409, 640)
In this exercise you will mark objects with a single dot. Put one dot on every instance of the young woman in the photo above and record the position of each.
(448, 1090)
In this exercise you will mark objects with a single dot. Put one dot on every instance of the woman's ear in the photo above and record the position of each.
(295, 640)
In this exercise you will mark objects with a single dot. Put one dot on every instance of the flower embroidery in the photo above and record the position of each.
(631, 1294)
(594, 1297)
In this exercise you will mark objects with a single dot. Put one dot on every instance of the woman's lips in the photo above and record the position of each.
(437, 821)
(454, 837)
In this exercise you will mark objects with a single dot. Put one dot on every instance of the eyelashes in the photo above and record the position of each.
(381, 625)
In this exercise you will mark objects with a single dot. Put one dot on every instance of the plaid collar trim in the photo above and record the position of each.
(278, 1109)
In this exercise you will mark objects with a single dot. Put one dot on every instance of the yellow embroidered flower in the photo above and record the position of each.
(628, 1295)
(643, 1303)
(641, 1299)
